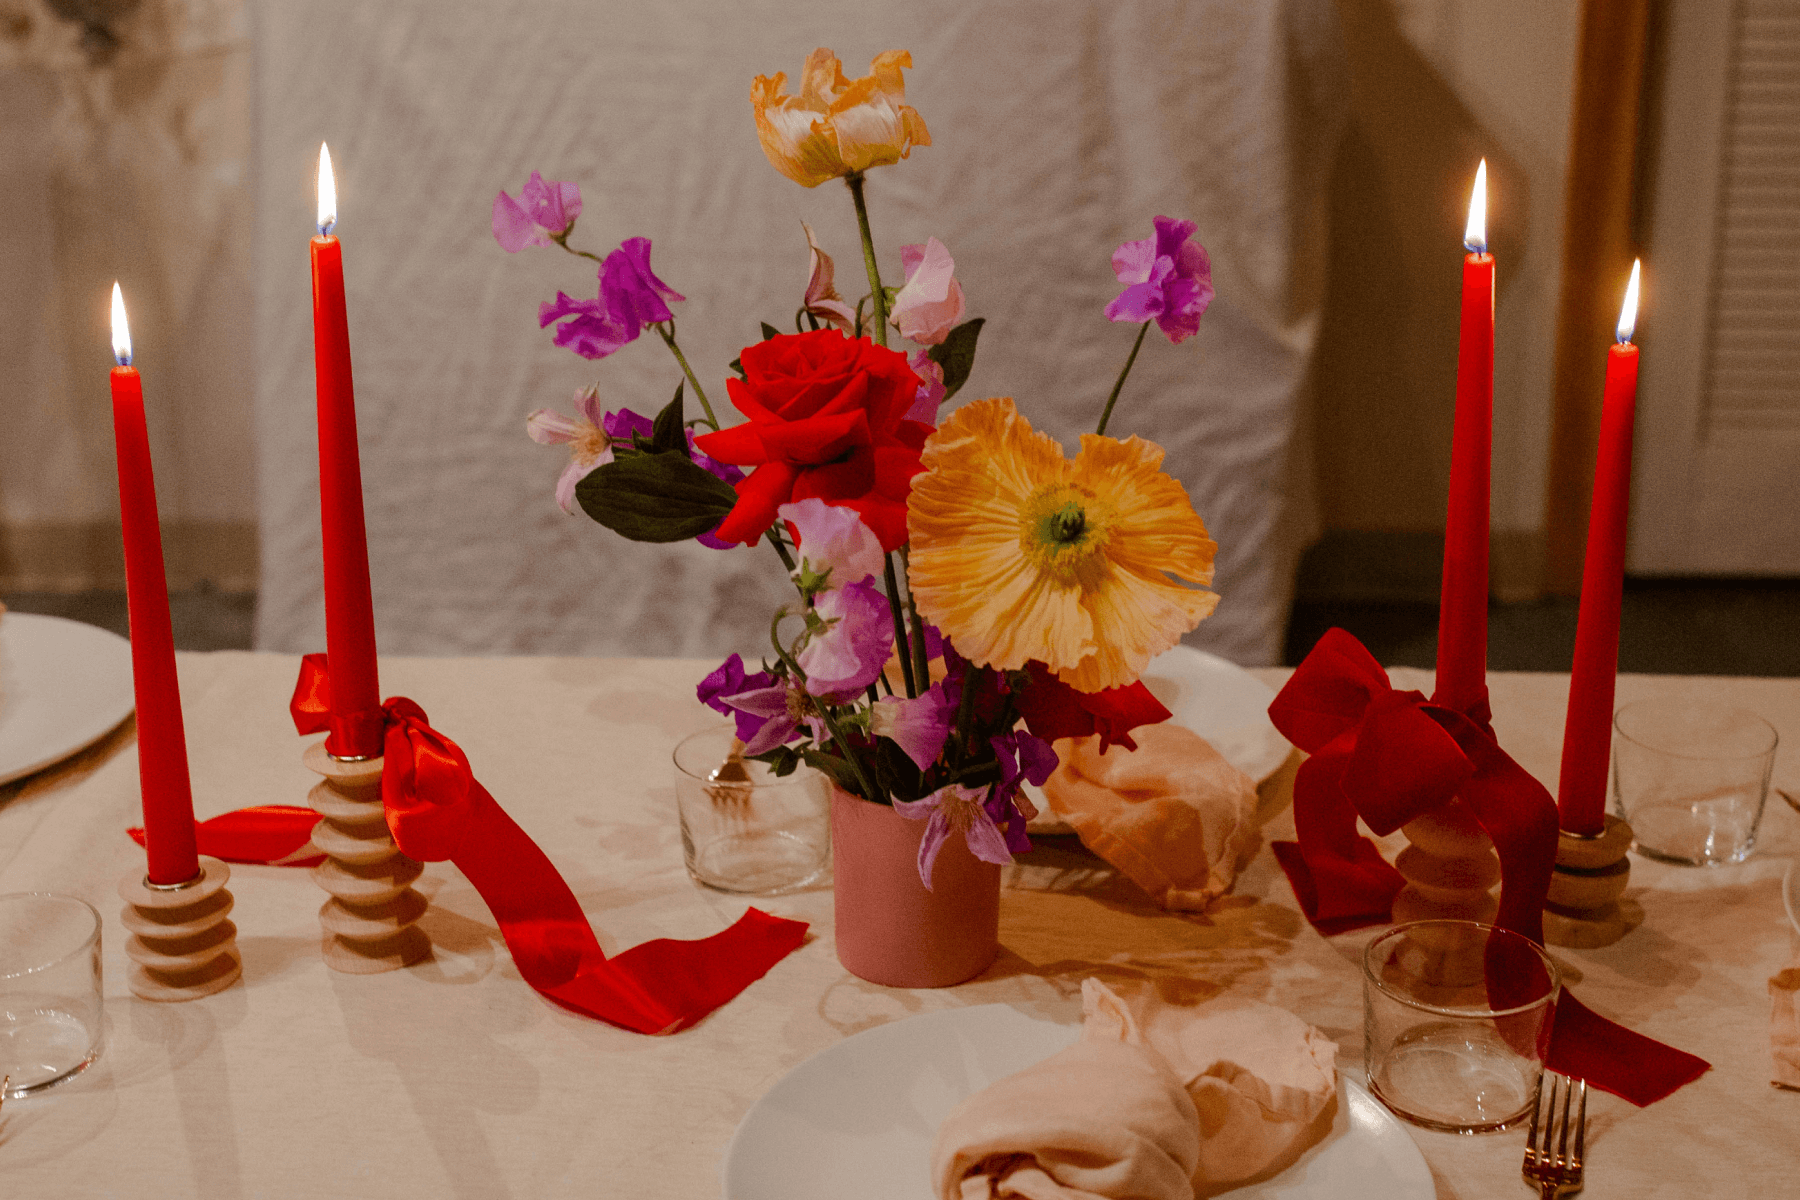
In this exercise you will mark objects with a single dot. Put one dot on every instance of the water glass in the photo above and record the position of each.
(50, 996)
(744, 829)
(1456, 1022)
(1691, 778)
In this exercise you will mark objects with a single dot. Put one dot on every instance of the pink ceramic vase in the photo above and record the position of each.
(890, 929)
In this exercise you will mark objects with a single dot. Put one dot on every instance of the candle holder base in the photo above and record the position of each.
(182, 946)
(371, 920)
(1450, 868)
(1582, 909)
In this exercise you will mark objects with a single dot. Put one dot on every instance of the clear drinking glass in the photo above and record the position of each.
(1456, 1021)
(1691, 779)
(50, 997)
(744, 829)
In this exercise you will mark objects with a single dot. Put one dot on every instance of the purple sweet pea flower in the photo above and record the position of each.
(1023, 758)
(931, 391)
(631, 297)
(775, 712)
(959, 809)
(730, 680)
(921, 726)
(845, 657)
(1170, 280)
(542, 210)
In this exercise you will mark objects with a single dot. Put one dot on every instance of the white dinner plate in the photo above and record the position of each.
(858, 1118)
(1215, 698)
(63, 686)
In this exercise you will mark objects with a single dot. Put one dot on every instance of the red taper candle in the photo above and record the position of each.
(356, 730)
(1462, 609)
(162, 743)
(1587, 731)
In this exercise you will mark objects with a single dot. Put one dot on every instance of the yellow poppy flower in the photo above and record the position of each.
(1019, 553)
(836, 125)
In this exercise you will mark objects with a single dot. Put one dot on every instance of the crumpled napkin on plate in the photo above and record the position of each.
(1173, 815)
(1154, 1101)
(1784, 1026)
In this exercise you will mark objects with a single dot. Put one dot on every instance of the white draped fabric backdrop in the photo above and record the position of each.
(1060, 129)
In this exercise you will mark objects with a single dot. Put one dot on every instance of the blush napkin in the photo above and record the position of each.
(1155, 1102)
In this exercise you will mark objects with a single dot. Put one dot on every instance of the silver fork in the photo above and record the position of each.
(1550, 1165)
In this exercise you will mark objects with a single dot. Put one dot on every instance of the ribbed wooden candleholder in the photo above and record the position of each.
(1582, 910)
(182, 946)
(370, 922)
(1450, 868)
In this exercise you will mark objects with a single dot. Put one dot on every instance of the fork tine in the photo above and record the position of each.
(1531, 1136)
(1580, 1133)
(1562, 1145)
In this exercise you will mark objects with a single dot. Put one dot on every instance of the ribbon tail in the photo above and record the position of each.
(270, 834)
(1585, 1045)
(660, 986)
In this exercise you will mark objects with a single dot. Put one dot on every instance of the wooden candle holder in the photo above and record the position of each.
(371, 920)
(1582, 909)
(1450, 868)
(182, 946)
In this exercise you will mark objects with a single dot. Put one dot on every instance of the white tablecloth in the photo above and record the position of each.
(454, 1079)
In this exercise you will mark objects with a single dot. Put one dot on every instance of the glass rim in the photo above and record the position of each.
(1549, 997)
(1774, 734)
(87, 943)
(729, 728)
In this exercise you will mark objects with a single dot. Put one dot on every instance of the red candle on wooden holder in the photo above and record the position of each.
(1462, 610)
(162, 743)
(1587, 733)
(356, 726)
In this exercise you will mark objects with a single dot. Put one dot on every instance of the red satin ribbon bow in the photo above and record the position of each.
(1389, 756)
(438, 811)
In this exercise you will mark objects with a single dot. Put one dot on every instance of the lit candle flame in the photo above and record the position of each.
(121, 329)
(327, 192)
(1628, 310)
(1475, 233)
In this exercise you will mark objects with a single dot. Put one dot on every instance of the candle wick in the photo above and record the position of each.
(123, 357)
(1474, 247)
(326, 226)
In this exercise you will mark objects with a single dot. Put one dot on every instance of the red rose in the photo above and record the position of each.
(827, 419)
(1052, 709)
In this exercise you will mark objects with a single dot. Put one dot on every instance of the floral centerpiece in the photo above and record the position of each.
(965, 592)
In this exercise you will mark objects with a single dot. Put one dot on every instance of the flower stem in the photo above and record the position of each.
(562, 239)
(921, 653)
(787, 560)
(1120, 382)
(668, 337)
(893, 591)
(871, 792)
(855, 180)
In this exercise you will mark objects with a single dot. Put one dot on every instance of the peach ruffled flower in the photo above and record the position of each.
(836, 126)
(1020, 553)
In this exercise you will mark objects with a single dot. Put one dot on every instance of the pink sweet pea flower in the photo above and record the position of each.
(833, 538)
(584, 435)
(959, 809)
(822, 300)
(1170, 280)
(931, 392)
(541, 211)
(931, 303)
(920, 726)
(845, 657)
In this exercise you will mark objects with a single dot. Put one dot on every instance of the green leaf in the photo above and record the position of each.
(782, 760)
(956, 354)
(655, 497)
(737, 365)
(769, 331)
(670, 433)
(839, 770)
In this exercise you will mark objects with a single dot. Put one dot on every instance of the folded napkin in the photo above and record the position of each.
(1173, 815)
(1154, 1102)
(1784, 1026)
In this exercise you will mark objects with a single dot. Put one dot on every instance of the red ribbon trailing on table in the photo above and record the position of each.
(438, 811)
(1388, 756)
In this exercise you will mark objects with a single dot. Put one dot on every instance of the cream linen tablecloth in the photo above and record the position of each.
(454, 1079)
